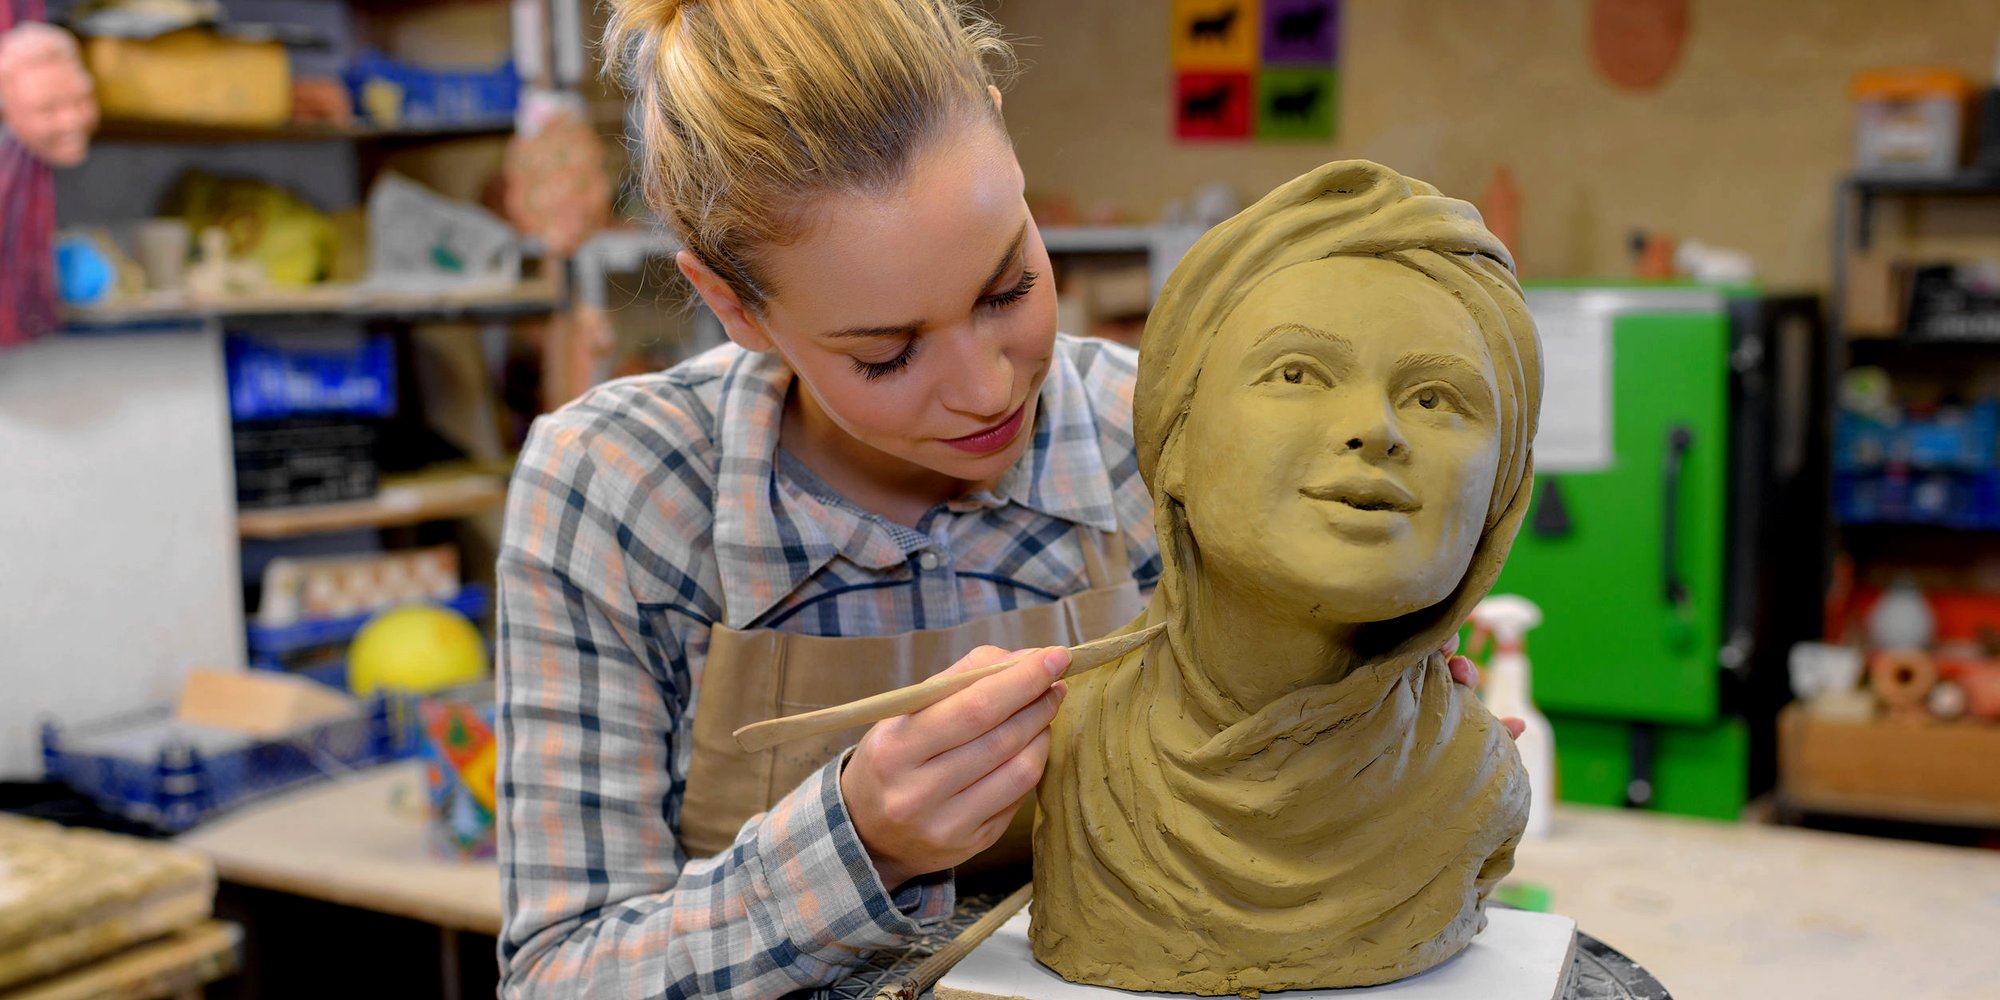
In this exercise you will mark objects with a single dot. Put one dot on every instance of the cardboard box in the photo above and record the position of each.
(1925, 771)
(193, 76)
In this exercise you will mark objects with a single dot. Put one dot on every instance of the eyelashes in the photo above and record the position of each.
(872, 370)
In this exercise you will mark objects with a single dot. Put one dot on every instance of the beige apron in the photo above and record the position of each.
(764, 673)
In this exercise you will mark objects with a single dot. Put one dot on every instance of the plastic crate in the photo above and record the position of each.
(1962, 438)
(433, 98)
(1948, 499)
(152, 769)
(318, 649)
(351, 376)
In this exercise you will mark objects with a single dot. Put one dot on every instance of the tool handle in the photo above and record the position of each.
(887, 705)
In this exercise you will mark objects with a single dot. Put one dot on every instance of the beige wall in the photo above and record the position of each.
(1740, 147)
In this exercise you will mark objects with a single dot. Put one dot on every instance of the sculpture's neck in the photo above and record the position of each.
(1247, 650)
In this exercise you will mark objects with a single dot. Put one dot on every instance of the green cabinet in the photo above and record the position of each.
(1648, 551)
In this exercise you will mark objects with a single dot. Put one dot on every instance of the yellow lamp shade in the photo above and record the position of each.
(417, 648)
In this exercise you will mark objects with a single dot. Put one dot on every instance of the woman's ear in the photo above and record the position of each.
(995, 91)
(739, 322)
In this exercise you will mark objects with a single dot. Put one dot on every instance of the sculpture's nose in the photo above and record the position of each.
(1374, 432)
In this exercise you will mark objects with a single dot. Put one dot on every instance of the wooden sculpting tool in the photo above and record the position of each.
(904, 700)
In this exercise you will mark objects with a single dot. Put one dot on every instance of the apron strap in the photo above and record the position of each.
(1106, 560)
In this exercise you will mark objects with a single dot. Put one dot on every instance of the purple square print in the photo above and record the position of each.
(1301, 31)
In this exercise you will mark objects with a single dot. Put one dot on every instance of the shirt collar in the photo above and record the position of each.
(771, 534)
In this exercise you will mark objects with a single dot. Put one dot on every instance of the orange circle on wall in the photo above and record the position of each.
(1637, 43)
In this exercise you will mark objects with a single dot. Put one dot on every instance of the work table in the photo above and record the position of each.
(1712, 909)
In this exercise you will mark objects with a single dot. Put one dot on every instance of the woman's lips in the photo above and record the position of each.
(993, 438)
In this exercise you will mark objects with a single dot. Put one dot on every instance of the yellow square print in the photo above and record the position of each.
(1216, 34)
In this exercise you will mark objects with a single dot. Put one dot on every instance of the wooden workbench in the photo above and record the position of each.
(1711, 909)
(358, 841)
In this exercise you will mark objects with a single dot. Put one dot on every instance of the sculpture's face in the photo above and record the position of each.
(50, 105)
(1339, 454)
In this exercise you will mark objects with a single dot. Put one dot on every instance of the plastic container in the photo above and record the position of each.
(1969, 500)
(398, 95)
(150, 768)
(273, 379)
(1960, 438)
(1509, 694)
(1909, 122)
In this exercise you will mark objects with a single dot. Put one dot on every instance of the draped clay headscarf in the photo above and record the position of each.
(1345, 834)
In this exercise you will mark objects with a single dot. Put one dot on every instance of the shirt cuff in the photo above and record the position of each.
(842, 909)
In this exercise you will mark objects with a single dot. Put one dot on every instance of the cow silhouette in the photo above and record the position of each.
(1207, 105)
(1213, 28)
(1300, 27)
(1297, 103)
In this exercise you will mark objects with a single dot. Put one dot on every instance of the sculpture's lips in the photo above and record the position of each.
(1366, 493)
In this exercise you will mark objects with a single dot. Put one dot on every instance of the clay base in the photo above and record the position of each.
(1520, 956)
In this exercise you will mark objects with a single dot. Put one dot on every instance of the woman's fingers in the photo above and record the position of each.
(992, 800)
(985, 706)
(961, 767)
(1463, 671)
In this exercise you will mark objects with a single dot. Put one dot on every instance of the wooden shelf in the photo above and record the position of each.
(122, 130)
(396, 505)
(1922, 771)
(531, 298)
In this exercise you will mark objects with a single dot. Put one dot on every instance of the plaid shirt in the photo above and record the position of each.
(651, 509)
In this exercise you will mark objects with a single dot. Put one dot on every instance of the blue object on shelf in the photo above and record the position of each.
(275, 379)
(434, 98)
(1944, 498)
(271, 643)
(83, 274)
(149, 768)
(1960, 438)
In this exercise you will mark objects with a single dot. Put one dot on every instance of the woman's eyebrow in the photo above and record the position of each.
(912, 328)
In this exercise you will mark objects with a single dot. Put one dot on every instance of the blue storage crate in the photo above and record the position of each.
(271, 379)
(1964, 438)
(278, 647)
(1969, 500)
(438, 98)
(153, 769)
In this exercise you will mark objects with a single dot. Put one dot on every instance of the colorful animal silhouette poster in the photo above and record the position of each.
(1267, 69)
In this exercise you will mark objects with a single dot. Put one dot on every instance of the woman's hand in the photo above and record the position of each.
(1465, 673)
(931, 789)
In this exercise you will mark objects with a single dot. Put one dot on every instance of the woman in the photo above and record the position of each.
(896, 461)
(1286, 791)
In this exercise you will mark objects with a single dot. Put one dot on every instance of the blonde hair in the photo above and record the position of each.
(748, 109)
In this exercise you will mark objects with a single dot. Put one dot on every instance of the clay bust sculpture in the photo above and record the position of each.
(1337, 395)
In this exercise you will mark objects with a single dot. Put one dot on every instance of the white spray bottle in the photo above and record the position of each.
(1507, 618)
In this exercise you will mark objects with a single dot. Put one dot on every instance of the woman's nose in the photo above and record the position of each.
(981, 383)
(1372, 431)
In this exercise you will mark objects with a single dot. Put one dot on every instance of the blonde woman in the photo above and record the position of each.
(897, 460)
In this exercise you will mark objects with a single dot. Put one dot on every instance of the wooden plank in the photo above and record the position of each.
(394, 506)
(131, 130)
(179, 964)
(361, 841)
(1933, 772)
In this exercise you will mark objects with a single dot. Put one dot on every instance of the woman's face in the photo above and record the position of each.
(1341, 447)
(921, 321)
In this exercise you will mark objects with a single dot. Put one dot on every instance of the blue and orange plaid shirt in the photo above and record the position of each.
(648, 511)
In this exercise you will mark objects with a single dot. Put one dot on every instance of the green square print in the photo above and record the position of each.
(1297, 103)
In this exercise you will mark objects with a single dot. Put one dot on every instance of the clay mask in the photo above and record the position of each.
(1366, 395)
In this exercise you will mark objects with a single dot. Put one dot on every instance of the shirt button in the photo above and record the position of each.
(929, 559)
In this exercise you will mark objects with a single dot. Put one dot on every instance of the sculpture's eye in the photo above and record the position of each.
(1294, 374)
(1428, 399)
